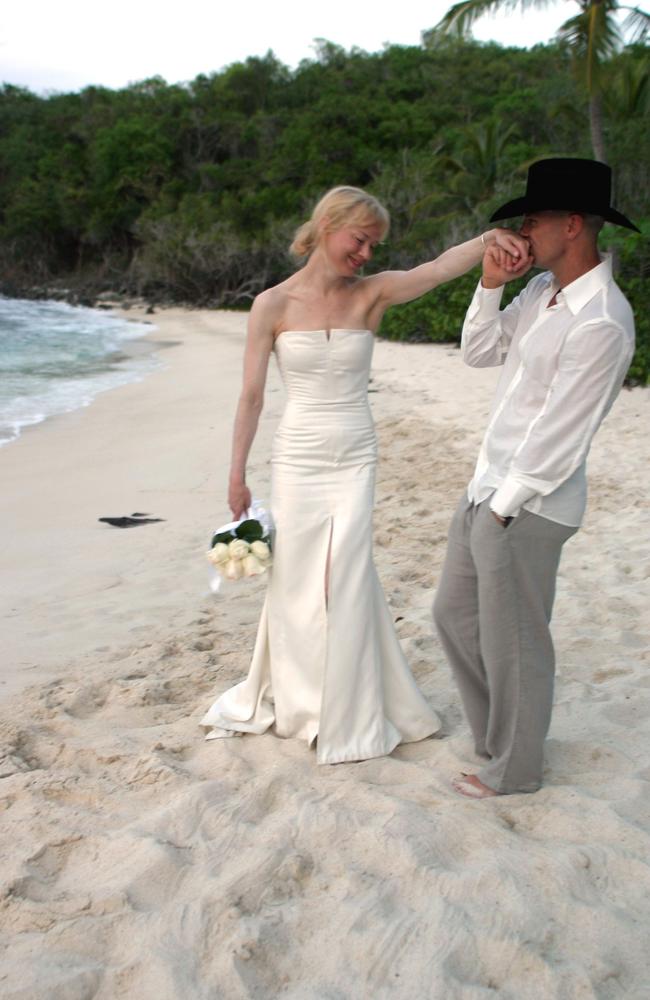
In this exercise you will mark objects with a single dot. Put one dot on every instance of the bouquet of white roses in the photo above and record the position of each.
(241, 548)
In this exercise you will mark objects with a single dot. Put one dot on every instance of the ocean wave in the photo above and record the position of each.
(55, 358)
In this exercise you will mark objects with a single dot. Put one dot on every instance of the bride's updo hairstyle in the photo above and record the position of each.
(342, 206)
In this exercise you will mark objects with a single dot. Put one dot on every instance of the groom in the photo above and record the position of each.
(564, 345)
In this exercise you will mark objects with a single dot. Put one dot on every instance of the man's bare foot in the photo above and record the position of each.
(469, 785)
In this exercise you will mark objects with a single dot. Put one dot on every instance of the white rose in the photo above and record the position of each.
(233, 569)
(252, 565)
(261, 551)
(218, 554)
(238, 549)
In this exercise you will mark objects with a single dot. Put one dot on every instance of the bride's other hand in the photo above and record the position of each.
(500, 266)
(239, 499)
(513, 243)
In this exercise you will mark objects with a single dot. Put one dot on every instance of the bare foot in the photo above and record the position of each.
(469, 785)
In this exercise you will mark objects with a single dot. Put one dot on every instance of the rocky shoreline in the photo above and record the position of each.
(88, 294)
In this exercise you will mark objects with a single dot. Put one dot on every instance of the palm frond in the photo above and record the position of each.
(628, 89)
(636, 25)
(461, 16)
(593, 37)
(592, 33)
(459, 19)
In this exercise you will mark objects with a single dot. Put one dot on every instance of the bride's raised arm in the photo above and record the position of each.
(395, 287)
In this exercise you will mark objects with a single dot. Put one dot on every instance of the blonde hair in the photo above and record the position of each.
(341, 206)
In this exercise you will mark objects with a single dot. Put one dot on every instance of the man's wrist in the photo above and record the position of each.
(491, 283)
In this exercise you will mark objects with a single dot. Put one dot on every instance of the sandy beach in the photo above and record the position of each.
(139, 861)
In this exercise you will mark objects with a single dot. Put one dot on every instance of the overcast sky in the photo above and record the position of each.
(68, 44)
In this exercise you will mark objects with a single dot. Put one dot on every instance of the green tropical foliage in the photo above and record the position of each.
(191, 192)
(593, 36)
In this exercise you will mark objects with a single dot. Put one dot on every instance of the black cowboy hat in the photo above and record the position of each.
(570, 185)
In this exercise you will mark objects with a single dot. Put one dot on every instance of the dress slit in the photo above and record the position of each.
(328, 563)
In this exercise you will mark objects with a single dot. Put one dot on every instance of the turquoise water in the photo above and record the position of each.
(55, 358)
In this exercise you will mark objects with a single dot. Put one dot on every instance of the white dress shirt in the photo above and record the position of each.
(563, 367)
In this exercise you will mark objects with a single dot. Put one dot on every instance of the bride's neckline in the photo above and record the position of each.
(328, 333)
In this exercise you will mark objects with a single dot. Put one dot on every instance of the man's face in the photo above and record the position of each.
(547, 234)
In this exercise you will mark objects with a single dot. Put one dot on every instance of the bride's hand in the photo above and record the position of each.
(239, 499)
(500, 266)
(513, 243)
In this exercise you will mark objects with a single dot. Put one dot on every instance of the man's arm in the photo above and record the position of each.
(487, 330)
(591, 370)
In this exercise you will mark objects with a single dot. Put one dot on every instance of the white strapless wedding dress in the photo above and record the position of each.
(326, 668)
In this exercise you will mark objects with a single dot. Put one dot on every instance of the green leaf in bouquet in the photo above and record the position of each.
(222, 536)
(250, 531)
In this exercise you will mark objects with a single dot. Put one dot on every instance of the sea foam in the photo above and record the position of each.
(55, 357)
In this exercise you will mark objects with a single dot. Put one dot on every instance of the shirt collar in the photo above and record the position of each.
(582, 290)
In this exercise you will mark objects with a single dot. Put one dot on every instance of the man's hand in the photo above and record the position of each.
(499, 266)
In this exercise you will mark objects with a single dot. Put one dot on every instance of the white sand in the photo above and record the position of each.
(139, 861)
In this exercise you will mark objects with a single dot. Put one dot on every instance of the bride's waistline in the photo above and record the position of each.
(335, 404)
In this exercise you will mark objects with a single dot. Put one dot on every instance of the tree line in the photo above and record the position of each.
(191, 192)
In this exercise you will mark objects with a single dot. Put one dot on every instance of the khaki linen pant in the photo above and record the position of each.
(492, 610)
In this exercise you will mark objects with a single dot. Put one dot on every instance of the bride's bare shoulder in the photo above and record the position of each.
(276, 296)
(271, 304)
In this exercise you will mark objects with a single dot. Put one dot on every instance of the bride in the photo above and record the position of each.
(327, 665)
